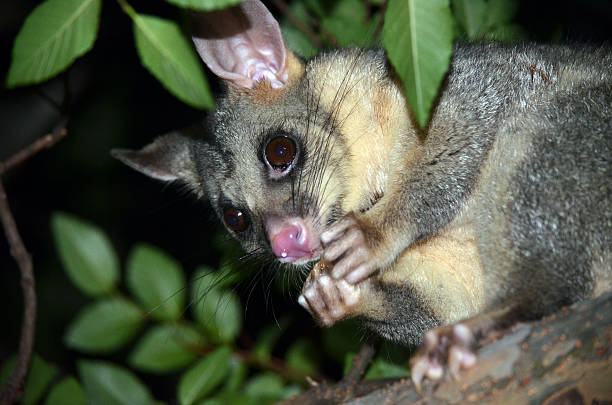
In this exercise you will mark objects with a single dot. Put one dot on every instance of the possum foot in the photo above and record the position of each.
(327, 299)
(452, 346)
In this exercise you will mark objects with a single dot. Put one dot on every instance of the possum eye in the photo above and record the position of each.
(280, 153)
(235, 219)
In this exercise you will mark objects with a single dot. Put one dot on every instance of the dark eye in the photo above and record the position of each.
(235, 219)
(280, 153)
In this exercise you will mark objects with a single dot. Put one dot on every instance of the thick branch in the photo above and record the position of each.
(564, 358)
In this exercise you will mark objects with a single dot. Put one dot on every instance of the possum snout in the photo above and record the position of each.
(292, 240)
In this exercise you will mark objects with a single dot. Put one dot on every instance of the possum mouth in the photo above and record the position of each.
(308, 258)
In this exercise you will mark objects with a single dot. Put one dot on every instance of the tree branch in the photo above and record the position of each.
(47, 141)
(13, 388)
(565, 358)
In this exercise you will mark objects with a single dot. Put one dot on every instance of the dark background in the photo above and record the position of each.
(117, 103)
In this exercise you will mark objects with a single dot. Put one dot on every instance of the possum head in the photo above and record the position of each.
(292, 145)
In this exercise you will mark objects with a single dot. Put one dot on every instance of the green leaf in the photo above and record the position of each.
(55, 33)
(108, 384)
(67, 391)
(7, 367)
(418, 37)
(354, 10)
(212, 401)
(506, 33)
(165, 348)
(500, 12)
(204, 377)
(342, 338)
(267, 338)
(266, 388)
(384, 369)
(348, 362)
(470, 15)
(171, 58)
(237, 373)
(303, 356)
(39, 377)
(298, 42)
(348, 32)
(295, 39)
(157, 280)
(205, 5)
(217, 311)
(348, 25)
(86, 253)
(104, 326)
(229, 398)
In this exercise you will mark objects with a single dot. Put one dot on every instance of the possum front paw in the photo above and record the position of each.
(350, 248)
(328, 300)
(452, 346)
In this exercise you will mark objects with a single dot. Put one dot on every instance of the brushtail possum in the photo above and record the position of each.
(501, 206)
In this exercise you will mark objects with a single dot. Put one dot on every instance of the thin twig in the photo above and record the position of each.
(381, 22)
(59, 131)
(306, 30)
(13, 388)
(359, 365)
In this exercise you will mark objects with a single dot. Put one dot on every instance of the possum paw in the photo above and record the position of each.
(328, 300)
(452, 346)
(347, 245)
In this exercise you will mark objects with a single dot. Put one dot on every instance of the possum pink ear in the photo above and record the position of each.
(242, 44)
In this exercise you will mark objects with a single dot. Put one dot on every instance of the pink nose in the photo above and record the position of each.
(291, 242)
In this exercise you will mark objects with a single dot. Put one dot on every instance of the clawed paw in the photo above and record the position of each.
(327, 299)
(450, 346)
(346, 245)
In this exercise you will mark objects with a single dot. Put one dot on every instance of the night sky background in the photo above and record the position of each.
(117, 103)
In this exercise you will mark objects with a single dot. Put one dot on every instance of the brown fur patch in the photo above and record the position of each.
(264, 93)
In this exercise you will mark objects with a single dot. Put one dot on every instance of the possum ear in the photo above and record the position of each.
(242, 44)
(168, 158)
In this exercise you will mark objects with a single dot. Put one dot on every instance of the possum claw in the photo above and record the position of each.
(347, 246)
(328, 300)
(450, 345)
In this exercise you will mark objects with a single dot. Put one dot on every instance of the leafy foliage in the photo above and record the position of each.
(204, 5)
(204, 377)
(52, 37)
(418, 37)
(108, 384)
(166, 347)
(487, 19)
(157, 281)
(86, 253)
(67, 391)
(104, 326)
(169, 56)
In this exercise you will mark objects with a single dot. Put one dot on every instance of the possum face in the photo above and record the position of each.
(292, 146)
(281, 182)
(271, 169)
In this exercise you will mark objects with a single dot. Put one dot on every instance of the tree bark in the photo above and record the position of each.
(565, 358)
